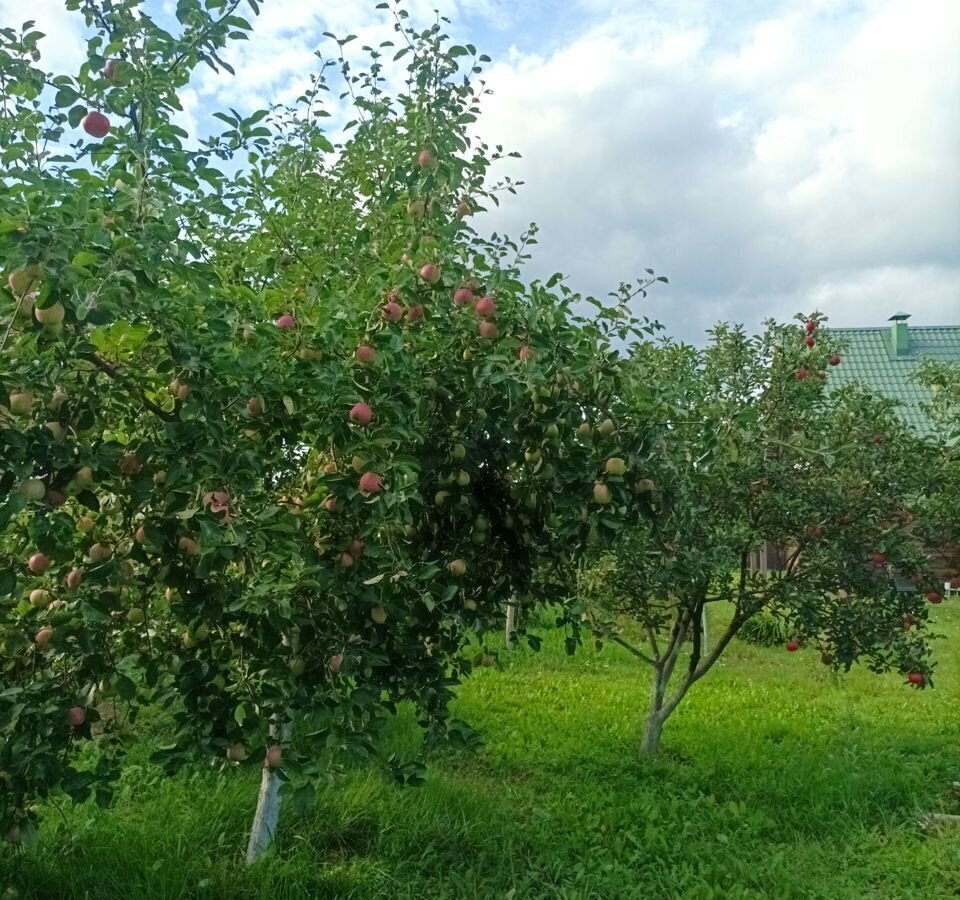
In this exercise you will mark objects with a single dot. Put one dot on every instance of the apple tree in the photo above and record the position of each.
(280, 431)
(753, 451)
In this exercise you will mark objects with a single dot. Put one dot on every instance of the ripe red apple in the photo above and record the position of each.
(76, 716)
(907, 622)
(811, 326)
(801, 374)
(43, 637)
(457, 567)
(809, 341)
(601, 494)
(255, 406)
(485, 307)
(835, 360)
(792, 646)
(99, 553)
(934, 597)
(38, 563)
(426, 159)
(357, 546)
(462, 296)
(879, 559)
(335, 663)
(55, 497)
(140, 535)
(286, 321)
(274, 756)
(371, 483)
(415, 314)
(916, 678)
(50, 315)
(365, 354)
(236, 752)
(430, 273)
(74, 578)
(21, 403)
(392, 312)
(616, 466)
(361, 413)
(464, 208)
(330, 503)
(189, 546)
(488, 330)
(379, 615)
(645, 486)
(346, 560)
(96, 124)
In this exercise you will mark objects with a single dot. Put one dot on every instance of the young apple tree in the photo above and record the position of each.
(752, 450)
(280, 431)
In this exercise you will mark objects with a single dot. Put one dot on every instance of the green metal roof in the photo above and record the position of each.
(870, 360)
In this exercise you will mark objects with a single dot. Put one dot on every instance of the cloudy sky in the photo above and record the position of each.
(769, 156)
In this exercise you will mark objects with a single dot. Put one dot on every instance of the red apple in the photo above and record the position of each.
(462, 296)
(255, 406)
(74, 578)
(601, 494)
(801, 374)
(361, 413)
(934, 597)
(330, 503)
(335, 663)
(392, 312)
(615, 466)
(879, 559)
(916, 678)
(415, 314)
(365, 354)
(485, 307)
(189, 546)
(371, 483)
(99, 553)
(792, 646)
(38, 563)
(645, 486)
(96, 124)
(236, 752)
(357, 547)
(811, 326)
(488, 330)
(464, 208)
(43, 637)
(76, 716)
(140, 535)
(40, 598)
(55, 497)
(457, 567)
(525, 353)
(430, 273)
(907, 622)
(835, 360)
(346, 560)
(50, 315)
(809, 341)
(274, 756)
(426, 159)
(286, 321)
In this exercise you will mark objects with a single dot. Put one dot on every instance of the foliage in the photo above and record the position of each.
(753, 450)
(272, 470)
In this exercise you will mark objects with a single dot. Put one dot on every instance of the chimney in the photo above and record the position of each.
(899, 335)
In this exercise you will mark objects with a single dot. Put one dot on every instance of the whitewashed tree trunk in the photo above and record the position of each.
(511, 625)
(268, 801)
(705, 631)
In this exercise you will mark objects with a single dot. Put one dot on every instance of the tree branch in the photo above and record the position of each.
(113, 372)
(630, 648)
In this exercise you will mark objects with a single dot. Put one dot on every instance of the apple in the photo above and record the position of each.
(117, 71)
(416, 209)
(616, 466)
(379, 615)
(335, 663)
(606, 427)
(835, 360)
(440, 497)
(532, 456)
(462, 296)
(40, 598)
(457, 567)
(801, 374)
(189, 546)
(811, 326)
(916, 678)
(426, 159)
(43, 637)
(255, 406)
(99, 553)
(285, 321)
(129, 464)
(601, 494)
(525, 353)
(488, 330)
(188, 640)
(463, 478)
(392, 312)
(38, 563)
(51, 315)
(297, 666)
(552, 431)
(96, 124)
(430, 273)
(236, 752)
(458, 451)
(57, 399)
(358, 463)
(83, 478)
(159, 477)
(792, 646)
(361, 413)
(346, 560)
(201, 632)
(140, 535)
(357, 546)
(584, 429)
(22, 281)
(55, 497)
(464, 208)
(934, 597)
(56, 429)
(907, 622)
(330, 503)
(33, 489)
(21, 403)
(75, 578)
(415, 314)
(879, 559)
(274, 756)
(485, 307)
(371, 483)
(470, 604)
(809, 342)
(136, 616)
(85, 524)
(76, 716)
(365, 354)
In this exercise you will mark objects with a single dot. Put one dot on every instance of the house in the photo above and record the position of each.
(885, 360)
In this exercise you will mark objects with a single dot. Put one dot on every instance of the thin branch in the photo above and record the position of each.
(630, 648)
(113, 372)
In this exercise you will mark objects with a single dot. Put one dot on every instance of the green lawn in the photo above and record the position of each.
(776, 780)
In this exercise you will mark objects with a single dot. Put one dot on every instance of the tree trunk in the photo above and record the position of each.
(651, 734)
(268, 801)
(511, 624)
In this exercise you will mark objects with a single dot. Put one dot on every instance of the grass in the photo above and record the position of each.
(776, 780)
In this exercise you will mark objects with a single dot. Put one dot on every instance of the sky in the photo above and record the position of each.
(769, 157)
